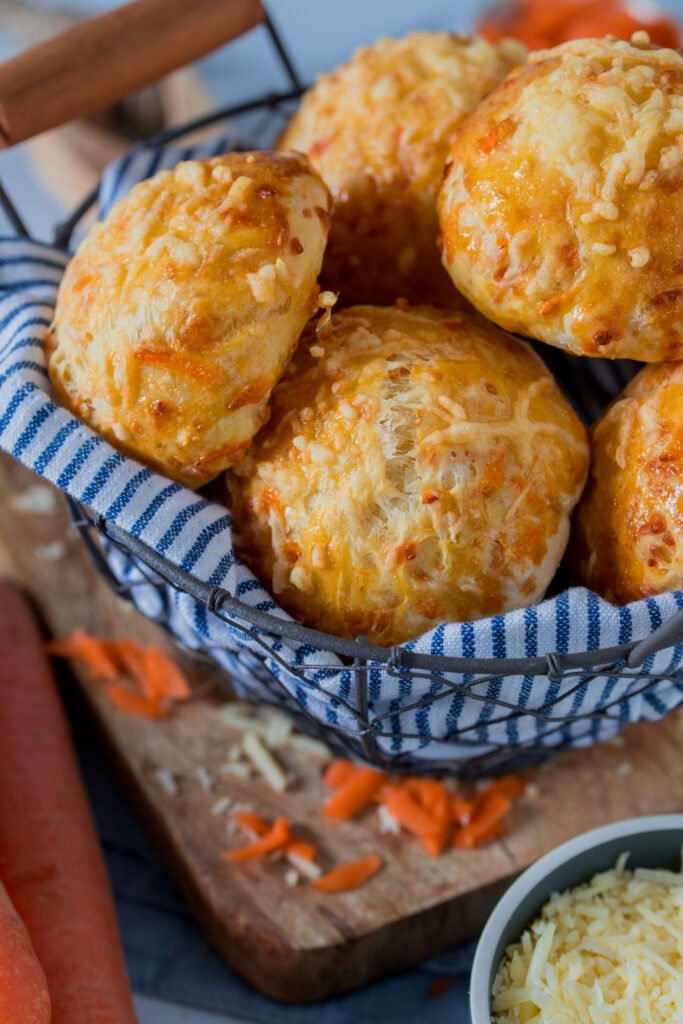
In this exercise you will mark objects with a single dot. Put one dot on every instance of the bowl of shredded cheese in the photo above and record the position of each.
(592, 933)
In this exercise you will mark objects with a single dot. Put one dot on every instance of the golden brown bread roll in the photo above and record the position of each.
(178, 312)
(419, 467)
(561, 205)
(378, 131)
(627, 535)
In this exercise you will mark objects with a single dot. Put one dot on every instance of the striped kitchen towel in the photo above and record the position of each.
(442, 716)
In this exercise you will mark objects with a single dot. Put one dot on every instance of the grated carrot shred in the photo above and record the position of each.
(354, 795)
(87, 648)
(275, 839)
(252, 821)
(348, 876)
(339, 772)
(134, 703)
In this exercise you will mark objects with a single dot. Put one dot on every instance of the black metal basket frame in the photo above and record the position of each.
(263, 629)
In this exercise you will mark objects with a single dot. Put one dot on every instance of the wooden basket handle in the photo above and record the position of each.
(99, 61)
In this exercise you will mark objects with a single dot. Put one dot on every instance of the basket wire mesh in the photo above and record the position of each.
(266, 630)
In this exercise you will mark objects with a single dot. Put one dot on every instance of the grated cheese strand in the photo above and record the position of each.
(607, 952)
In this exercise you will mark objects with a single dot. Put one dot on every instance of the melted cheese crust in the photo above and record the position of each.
(628, 530)
(419, 467)
(178, 313)
(562, 201)
(378, 131)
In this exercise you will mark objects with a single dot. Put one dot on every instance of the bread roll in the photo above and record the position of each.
(179, 311)
(562, 202)
(628, 530)
(419, 467)
(378, 131)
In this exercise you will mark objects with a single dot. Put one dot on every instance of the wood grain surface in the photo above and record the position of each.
(292, 943)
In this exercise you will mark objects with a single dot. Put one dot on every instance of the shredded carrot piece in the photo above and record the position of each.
(302, 849)
(348, 876)
(354, 795)
(275, 839)
(401, 805)
(87, 648)
(439, 986)
(156, 677)
(130, 656)
(252, 821)
(434, 844)
(340, 772)
(491, 813)
(134, 703)
(162, 676)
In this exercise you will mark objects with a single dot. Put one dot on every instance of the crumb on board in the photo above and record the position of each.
(37, 498)
(308, 868)
(237, 768)
(166, 780)
(292, 877)
(221, 805)
(205, 778)
(624, 768)
(264, 762)
(52, 552)
(388, 825)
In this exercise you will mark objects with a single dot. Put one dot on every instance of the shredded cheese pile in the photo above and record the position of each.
(606, 952)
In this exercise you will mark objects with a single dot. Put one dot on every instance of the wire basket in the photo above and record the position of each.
(410, 707)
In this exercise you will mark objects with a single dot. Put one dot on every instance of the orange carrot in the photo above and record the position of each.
(340, 772)
(439, 986)
(24, 997)
(434, 844)
(50, 859)
(130, 656)
(85, 648)
(156, 676)
(134, 703)
(302, 849)
(410, 815)
(491, 813)
(162, 677)
(510, 786)
(348, 876)
(354, 795)
(276, 839)
(252, 821)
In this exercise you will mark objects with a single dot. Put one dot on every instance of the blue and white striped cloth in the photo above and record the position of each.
(197, 535)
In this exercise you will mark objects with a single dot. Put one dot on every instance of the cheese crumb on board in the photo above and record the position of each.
(607, 952)
(205, 778)
(292, 877)
(166, 781)
(37, 498)
(264, 762)
(222, 804)
(237, 768)
(308, 868)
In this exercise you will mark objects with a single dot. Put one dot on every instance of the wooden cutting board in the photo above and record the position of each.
(291, 942)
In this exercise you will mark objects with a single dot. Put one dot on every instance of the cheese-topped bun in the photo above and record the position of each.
(378, 130)
(419, 467)
(178, 312)
(563, 196)
(628, 528)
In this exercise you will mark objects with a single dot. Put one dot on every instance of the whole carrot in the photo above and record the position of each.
(50, 858)
(23, 990)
